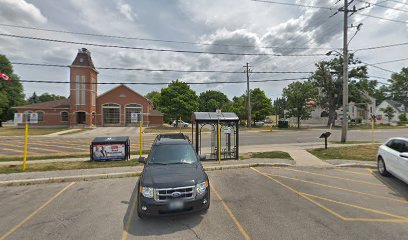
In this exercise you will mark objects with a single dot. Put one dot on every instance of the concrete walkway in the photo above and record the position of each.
(305, 159)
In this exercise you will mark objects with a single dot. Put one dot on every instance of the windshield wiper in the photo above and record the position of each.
(181, 163)
(158, 163)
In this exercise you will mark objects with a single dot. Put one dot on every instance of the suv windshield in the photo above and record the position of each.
(172, 154)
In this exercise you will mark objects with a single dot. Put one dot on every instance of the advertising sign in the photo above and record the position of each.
(227, 130)
(108, 151)
(18, 118)
(134, 117)
(33, 118)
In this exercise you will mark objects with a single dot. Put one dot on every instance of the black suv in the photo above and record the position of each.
(173, 179)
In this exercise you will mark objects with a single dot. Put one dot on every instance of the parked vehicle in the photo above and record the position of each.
(180, 123)
(392, 158)
(259, 124)
(173, 179)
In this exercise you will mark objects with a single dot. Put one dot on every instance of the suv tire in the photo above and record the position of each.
(382, 168)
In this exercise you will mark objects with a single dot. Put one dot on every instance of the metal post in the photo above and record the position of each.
(140, 138)
(25, 147)
(248, 105)
(345, 74)
(219, 141)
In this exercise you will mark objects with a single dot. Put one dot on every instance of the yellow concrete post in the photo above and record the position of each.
(372, 130)
(219, 142)
(25, 147)
(140, 138)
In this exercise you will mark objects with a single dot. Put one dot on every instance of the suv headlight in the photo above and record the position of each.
(147, 191)
(201, 187)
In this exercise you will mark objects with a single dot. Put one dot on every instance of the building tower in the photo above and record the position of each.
(83, 90)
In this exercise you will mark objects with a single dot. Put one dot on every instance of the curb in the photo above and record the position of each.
(22, 182)
(357, 165)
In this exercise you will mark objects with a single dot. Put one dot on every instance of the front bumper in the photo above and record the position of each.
(154, 208)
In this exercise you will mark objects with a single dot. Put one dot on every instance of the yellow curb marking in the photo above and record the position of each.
(132, 209)
(397, 219)
(334, 177)
(339, 188)
(35, 212)
(234, 219)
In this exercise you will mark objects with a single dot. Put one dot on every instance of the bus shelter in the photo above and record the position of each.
(229, 131)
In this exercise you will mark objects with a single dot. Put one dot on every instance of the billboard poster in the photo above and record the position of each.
(18, 118)
(108, 151)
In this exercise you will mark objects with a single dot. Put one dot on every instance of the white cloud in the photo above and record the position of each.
(126, 10)
(19, 11)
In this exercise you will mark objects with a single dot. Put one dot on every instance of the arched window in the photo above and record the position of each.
(111, 113)
(64, 116)
(40, 116)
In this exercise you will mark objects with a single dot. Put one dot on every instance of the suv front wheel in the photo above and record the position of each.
(381, 167)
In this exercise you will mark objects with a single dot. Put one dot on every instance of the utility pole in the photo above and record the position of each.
(345, 73)
(248, 102)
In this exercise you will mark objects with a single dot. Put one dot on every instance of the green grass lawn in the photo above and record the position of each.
(14, 131)
(272, 154)
(67, 166)
(361, 152)
(349, 142)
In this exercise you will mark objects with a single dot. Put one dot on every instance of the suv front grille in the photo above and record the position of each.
(166, 194)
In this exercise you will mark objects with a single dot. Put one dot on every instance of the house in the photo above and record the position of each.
(399, 108)
(84, 108)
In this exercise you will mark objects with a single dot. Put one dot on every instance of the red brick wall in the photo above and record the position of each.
(122, 95)
(90, 76)
(52, 117)
(155, 120)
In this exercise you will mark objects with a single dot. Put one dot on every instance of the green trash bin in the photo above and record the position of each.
(283, 124)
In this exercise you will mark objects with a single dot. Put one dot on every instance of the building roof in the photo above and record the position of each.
(213, 117)
(400, 107)
(61, 103)
(83, 59)
(123, 85)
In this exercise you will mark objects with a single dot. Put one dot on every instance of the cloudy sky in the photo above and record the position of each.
(244, 26)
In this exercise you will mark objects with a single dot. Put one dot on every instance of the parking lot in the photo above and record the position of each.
(251, 203)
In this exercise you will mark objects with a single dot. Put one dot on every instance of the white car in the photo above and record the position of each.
(180, 123)
(392, 158)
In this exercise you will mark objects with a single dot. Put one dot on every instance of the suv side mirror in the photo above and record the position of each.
(202, 157)
(142, 160)
(404, 155)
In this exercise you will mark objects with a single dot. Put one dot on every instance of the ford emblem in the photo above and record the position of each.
(176, 194)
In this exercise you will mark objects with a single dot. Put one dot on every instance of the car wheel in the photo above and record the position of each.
(382, 168)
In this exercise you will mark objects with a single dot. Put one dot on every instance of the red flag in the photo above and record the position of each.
(4, 76)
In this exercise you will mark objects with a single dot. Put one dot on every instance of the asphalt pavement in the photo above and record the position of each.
(254, 203)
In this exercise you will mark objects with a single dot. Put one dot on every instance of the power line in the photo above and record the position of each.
(295, 4)
(328, 8)
(157, 49)
(157, 40)
(391, 61)
(398, 2)
(382, 46)
(374, 66)
(164, 83)
(151, 70)
(382, 6)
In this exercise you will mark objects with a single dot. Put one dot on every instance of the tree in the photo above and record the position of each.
(11, 92)
(212, 100)
(261, 105)
(45, 97)
(328, 78)
(238, 106)
(178, 100)
(297, 95)
(403, 117)
(389, 112)
(399, 85)
(154, 96)
(279, 107)
(33, 99)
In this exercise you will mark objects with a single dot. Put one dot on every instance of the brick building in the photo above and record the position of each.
(84, 108)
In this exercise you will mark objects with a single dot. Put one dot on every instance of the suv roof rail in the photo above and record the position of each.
(171, 136)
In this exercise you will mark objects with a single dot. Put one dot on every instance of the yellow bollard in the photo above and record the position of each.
(140, 139)
(372, 130)
(219, 142)
(25, 147)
